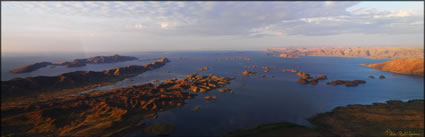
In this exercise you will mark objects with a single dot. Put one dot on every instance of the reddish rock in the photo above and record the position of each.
(304, 75)
(246, 72)
(302, 81)
(204, 68)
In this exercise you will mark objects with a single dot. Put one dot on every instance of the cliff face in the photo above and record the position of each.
(413, 66)
(75, 63)
(375, 53)
(36, 85)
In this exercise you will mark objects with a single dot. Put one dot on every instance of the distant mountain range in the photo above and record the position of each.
(375, 52)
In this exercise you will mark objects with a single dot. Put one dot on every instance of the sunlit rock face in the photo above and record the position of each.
(413, 66)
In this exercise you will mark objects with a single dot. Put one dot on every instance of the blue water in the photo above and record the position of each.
(256, 100)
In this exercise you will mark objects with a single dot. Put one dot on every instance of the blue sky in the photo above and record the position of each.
(175, 26)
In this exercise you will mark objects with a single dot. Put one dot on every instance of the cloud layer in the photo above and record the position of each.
(209, 19)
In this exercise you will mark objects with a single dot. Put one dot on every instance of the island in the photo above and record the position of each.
(111, 112)
(393, 118)
(412, 66)
(74, 63)
(347, 83)
(31, 67)
(71, 82)
(306, 78)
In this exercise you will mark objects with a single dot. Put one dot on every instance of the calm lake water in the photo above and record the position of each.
(256, 100)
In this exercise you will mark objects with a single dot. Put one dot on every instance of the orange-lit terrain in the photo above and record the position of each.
(104, 113)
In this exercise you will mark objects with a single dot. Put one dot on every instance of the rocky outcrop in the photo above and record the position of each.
(347, 83)
(393, 118)
(413, 66)
(225, 90)
(104, 113)
(72, 80)
(31, 67)
(302, 81)
(375, 53)
(204, 68)
(381, 76)
(246, 73)
(306, 78)
(266, 69)
(372, 77)
(289, 70)
(75, 63)
(304, 75)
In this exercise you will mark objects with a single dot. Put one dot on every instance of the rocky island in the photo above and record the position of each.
(104, 113)
(306, 78)
(72, 81)
(347, 83)
(31, 67)
(393, 118)
(413, 66)
(74, 63)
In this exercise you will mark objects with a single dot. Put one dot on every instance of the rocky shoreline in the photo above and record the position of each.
(393, 118)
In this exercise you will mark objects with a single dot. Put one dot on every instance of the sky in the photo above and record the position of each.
(136, 26)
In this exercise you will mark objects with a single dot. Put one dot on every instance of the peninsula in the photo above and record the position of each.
(413, 66)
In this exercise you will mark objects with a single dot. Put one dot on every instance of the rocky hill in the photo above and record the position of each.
(75, 63)
(375, 52)
(413, 66)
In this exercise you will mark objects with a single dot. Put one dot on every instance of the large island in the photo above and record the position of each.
(74, 63)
